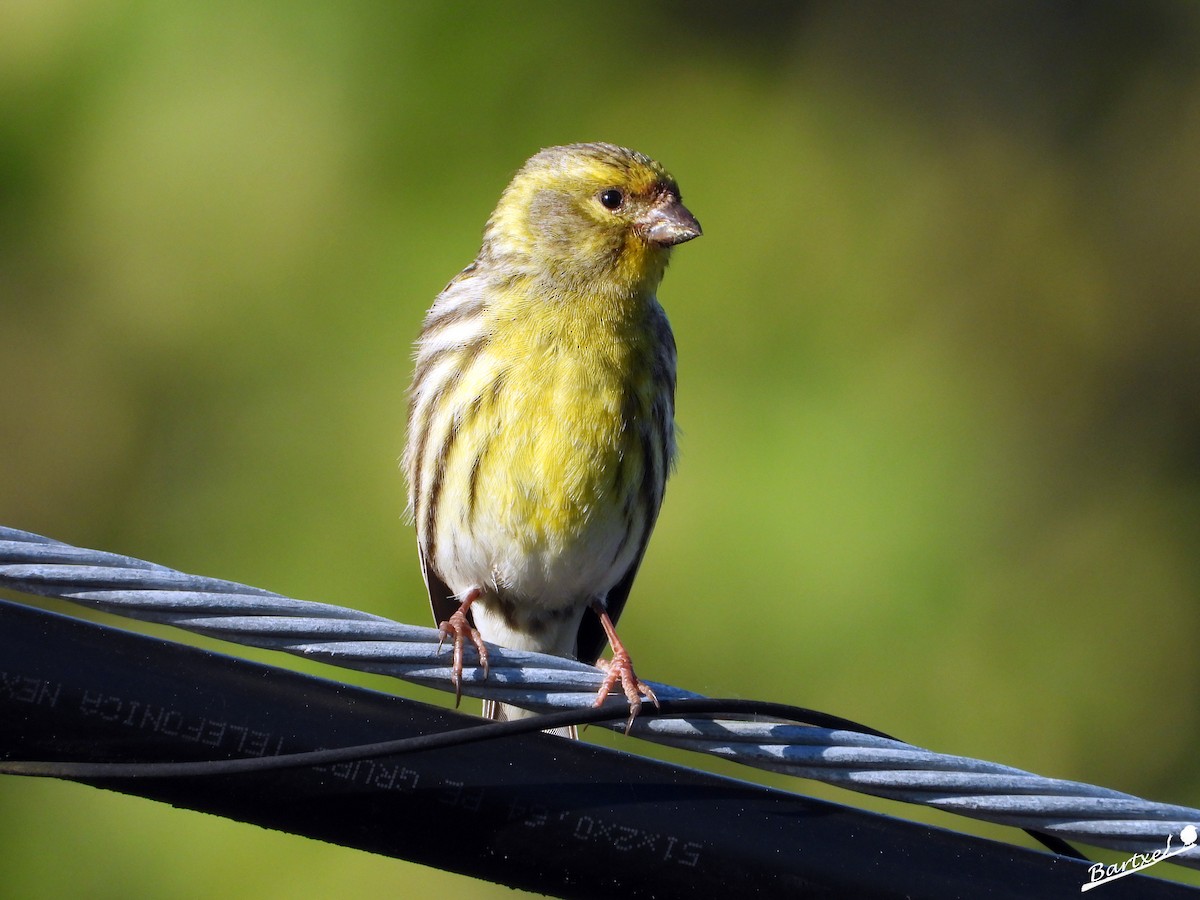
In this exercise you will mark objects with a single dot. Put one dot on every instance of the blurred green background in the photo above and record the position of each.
(939, 354)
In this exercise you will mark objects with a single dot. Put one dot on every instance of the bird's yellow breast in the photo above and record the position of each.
(566, 454)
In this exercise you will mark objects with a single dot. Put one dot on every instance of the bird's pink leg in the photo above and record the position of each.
(620, 668)
(458, 628)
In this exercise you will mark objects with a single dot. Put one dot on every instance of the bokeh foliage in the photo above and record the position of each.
(939, 348)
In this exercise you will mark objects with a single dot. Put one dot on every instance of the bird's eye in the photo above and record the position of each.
(612, 199)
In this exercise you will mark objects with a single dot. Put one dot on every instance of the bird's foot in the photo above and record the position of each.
(458, 628)
(620, 668)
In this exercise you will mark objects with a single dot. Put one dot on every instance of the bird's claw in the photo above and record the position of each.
(458, 629)
(620, 668)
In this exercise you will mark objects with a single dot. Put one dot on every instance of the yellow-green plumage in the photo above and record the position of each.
(541, 418)
(566, 444)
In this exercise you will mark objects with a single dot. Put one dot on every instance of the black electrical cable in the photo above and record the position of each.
(463, 736)
(248, 765)
(456, 738)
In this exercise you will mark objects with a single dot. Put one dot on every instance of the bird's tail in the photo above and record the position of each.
(503, 712)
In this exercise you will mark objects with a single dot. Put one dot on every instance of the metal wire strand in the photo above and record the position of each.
(352, 639)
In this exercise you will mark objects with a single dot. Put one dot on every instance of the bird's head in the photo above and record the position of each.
(591, 213)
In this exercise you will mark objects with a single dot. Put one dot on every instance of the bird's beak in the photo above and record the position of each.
(670, 223)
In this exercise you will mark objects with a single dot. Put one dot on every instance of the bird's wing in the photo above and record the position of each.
(591, 639)
(443, 601)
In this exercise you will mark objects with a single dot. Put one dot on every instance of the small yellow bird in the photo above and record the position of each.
(541, 420)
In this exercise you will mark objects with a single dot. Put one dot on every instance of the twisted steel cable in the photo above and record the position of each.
(349, 638)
